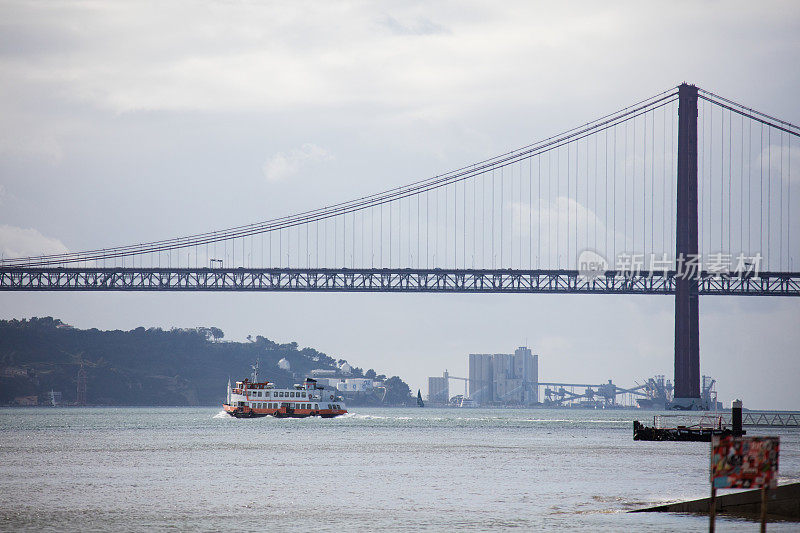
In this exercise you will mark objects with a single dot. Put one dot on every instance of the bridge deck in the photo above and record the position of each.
(383, 280)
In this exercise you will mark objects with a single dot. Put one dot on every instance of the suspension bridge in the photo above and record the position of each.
(685, 193)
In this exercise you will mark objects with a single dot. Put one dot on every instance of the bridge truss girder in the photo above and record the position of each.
(384, 280)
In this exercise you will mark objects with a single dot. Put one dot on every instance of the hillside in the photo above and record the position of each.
(146, 366)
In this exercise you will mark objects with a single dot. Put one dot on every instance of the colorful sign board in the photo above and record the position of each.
(744, 462)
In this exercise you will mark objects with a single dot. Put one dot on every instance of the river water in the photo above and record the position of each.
(150, 469)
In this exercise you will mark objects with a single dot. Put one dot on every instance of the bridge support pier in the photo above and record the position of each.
(687, 325)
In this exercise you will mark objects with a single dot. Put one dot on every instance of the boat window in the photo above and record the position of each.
(291, 394)
(316, 406)
(303, 394)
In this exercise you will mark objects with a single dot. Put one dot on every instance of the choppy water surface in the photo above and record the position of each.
(419, 469)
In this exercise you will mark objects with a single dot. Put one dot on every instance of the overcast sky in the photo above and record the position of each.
(131, 121)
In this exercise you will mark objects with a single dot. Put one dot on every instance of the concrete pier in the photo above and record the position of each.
(783, 503)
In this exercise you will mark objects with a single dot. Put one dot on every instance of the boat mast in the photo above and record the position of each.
(255, 371)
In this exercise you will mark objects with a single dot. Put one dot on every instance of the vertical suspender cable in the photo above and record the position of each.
(558, 207)
(568, 199)
(633, 190)
(492, 228)
(474, 219)
(605, 195)
(502, 209)
(652, 177)
(663, 178)
(672, 156)
(710, 173)
(722, 181)
(483, 221)
(549, 208)
(741, 187)
(614, 230)
(701, 177)
(595, 182)
(418, 219)
(730, 175)
(519, 210)
(749, 184)
(644, 186)
(780, 230)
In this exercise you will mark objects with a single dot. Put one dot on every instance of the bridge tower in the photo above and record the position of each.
(687, 326)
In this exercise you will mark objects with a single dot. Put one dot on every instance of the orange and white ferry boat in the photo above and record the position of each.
(251, 399)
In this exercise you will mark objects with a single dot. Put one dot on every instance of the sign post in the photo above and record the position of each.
(712, 510)
(743, 463)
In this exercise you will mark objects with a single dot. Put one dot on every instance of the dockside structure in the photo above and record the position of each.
(511, 379)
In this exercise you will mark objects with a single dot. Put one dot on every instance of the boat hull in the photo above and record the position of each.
(246, 412)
